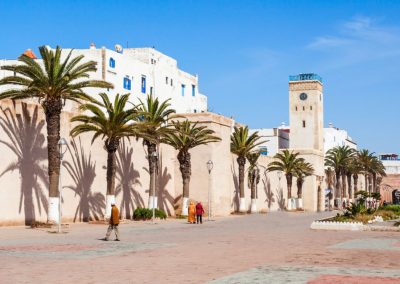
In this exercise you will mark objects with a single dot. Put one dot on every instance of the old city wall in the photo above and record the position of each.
(23, 171)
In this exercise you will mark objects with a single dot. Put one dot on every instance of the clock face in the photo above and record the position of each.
(303, 96)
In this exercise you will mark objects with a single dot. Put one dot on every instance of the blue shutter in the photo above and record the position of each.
(111, 62)
(144, 84)
(183, 90)
(127, 83)
(193, 90)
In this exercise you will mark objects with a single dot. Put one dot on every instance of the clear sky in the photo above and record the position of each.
(244, 51)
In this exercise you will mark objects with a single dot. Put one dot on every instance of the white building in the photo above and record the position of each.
(141, 71)
(391, 162)
(334, 137)
(278, 138)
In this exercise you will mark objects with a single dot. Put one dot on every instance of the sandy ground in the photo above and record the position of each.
(228, 250)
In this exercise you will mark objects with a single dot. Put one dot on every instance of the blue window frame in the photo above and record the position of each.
(193, 90)
(183, 90)
(127, 83)
(143, 84)
(111, 62)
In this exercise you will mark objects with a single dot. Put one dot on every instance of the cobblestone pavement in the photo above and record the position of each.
(263, 248)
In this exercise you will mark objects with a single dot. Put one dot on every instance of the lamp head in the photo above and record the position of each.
(62, 145)
(210, 166)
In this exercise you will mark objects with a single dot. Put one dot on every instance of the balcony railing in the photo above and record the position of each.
(305, 77)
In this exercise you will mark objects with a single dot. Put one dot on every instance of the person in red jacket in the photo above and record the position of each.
(199, 212)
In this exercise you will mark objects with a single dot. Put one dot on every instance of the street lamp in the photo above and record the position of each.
(155, 156)
(210, 166)
(62, 148)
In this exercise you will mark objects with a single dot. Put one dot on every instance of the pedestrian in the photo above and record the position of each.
(192, 213)
(199, 212)
(114, 222)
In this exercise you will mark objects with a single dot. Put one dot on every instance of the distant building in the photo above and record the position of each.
(334, 137)
(391, 162)
(139, 71)
(278, 138)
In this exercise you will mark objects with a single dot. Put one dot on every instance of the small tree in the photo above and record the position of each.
(111, 126)
(186, 136)
(241, 145)
(302, 171)
(253, 178)
(286, 162)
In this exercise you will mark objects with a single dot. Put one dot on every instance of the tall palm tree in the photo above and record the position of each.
(338, 158)
(365, 158)
(377, 170)
(112, 125)
(52, 82)
(253, 178)
(330, 178)
(154, 116)
(287, 162)
(303, 170)
(241, 145)
(353, 169)
(186, 136)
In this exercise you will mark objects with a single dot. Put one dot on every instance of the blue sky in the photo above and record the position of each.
(244, 51)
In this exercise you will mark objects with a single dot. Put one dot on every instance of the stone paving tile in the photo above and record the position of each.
(300, 275)
(370, 244)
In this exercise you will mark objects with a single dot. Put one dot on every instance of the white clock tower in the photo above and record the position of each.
(306, 111)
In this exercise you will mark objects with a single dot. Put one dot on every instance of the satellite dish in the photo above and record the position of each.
(118, 48)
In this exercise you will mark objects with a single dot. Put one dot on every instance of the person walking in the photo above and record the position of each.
(199, 212)
(192, 213)
(114, 222)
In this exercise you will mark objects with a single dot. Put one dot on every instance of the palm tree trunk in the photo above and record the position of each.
(374, 182)
(112, 147)
(152, 158)
(350, 192)
(338, 193)
(355, 178)
(186, 171)
(253, 208)
(344, 191)
(241, 162)
(52, 109)
(299, 188)
(289, 182)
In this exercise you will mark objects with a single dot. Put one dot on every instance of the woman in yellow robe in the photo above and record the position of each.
(192, 213)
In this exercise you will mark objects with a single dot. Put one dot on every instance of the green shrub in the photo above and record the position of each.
(394, 208)
(147, 214)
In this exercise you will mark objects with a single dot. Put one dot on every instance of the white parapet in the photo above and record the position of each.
(299, 203)
(242, 205)
(185, 202)
(110, 199)
(54, 203)
(253, 208)
(338, 226)
(291, 204)
(153, 202)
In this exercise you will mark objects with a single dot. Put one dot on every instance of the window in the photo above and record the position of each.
(304, 108)
(151, 91)
(166, 80)
(296, 108)
(172, 83)
(143, 86)
(193, 90)
(127, 83)
(111, 62)
(195, 110)
(183, 90)
(304, 123)
(310, 107)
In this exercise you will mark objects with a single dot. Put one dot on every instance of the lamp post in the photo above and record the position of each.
(155, 156)
(62, 148)
(210, 166)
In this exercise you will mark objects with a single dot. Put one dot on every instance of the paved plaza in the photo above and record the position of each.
(263, 248)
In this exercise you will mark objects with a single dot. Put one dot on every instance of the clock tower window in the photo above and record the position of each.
(304, 124)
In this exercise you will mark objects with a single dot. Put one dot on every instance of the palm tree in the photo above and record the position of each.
(365, 158)
(353, 169)
(377, 170)
(338, 159)
(286, 162)
(330, 177)
(112, 126)
(302, 171)
(154, 116)
(186, 136)
(241, 145)
(253, 178)
(52, 82)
